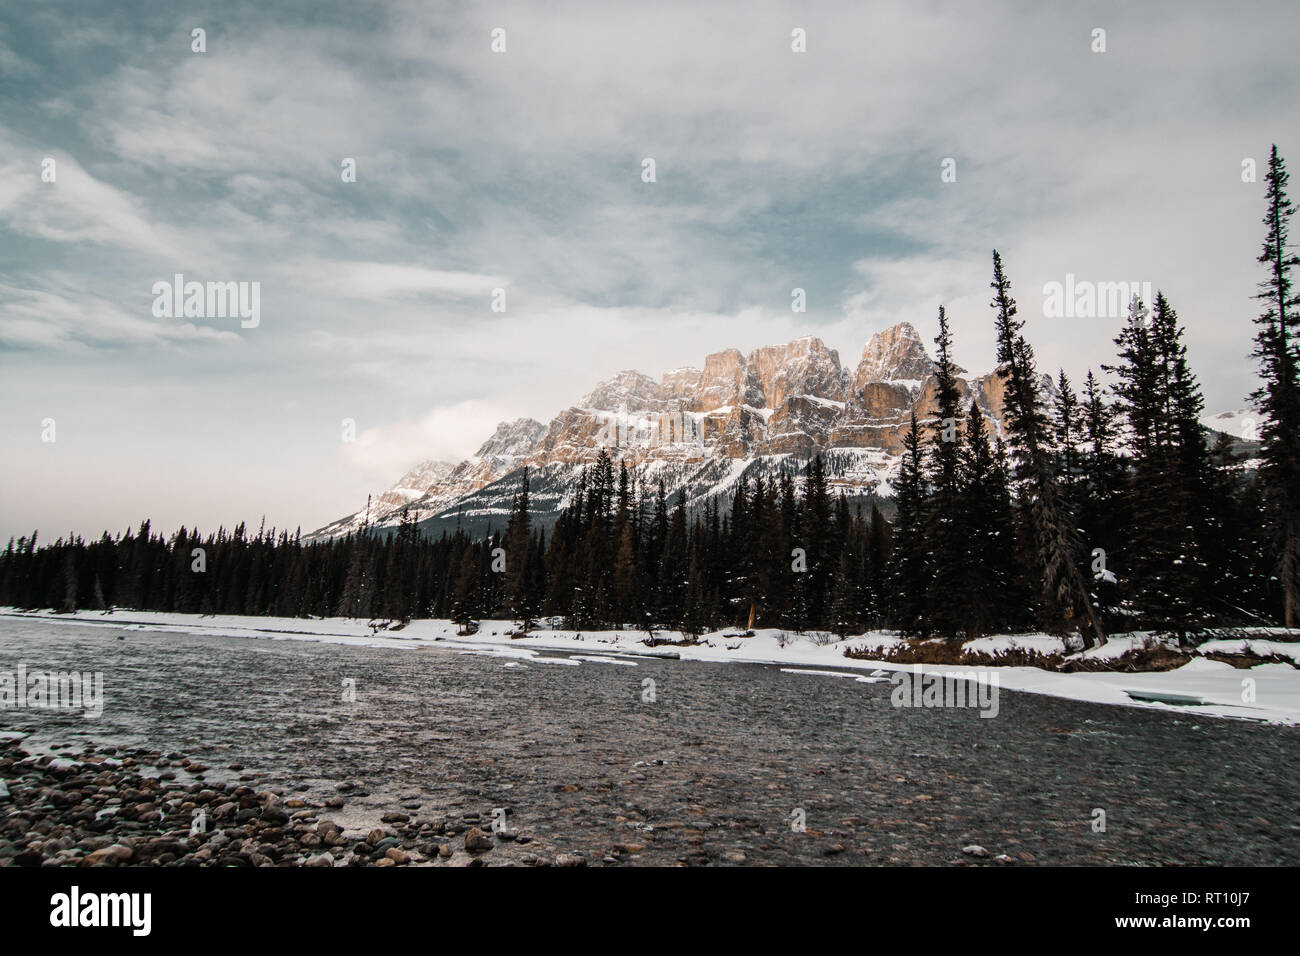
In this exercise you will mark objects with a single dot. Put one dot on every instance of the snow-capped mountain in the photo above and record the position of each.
(430, 485)
(697, 429)
(415, 483)
(1243, 423)
(700, 430)
(410, 487)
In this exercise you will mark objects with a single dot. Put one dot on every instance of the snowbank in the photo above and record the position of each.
(1266, 692)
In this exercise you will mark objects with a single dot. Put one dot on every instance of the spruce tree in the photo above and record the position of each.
(984, 580)
(519, 557)
(1278, 398)
(1169, 515)
(1064, 592)
(818, 540)
(945, 532)
(1100, 494)
(1187, 479)
(910, 580)
(1067, 429)
(878, 551)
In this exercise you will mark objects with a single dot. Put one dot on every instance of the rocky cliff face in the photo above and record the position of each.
(895, 356)
(700, 429)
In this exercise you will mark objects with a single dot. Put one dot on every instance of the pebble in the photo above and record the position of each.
(118, 853)
(97, 809)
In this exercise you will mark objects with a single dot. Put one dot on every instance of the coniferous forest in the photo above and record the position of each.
(1108, 507)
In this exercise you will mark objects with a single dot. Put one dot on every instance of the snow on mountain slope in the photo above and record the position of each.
(410, 487)
(417, 481)
(448, 483)
(699, 430)
(1244, 423)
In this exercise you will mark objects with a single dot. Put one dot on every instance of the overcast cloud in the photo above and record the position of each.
(522, 170)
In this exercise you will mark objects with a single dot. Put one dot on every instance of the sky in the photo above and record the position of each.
(522, 170)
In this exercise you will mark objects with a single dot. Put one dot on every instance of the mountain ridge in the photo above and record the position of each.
(699, 430)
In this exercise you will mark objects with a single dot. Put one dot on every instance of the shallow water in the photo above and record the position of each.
(727, 752)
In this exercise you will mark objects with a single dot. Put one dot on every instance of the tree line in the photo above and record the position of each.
(1090, 511)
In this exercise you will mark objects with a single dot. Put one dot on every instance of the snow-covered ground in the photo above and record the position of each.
(1266, 692)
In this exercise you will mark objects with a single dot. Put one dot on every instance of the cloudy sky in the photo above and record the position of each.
(522, 170)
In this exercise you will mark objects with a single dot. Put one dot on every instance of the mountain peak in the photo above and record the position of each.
(804, 366)
(512, 439)
(894, 355)
(629, 389)
(700, 428)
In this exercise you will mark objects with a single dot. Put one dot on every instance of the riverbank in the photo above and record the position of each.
(621, 759)
(131, 806)
(1268, 692)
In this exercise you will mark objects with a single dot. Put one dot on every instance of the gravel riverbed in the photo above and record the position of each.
(584, 770)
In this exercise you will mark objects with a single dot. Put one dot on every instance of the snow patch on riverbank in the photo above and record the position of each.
(1210, 688)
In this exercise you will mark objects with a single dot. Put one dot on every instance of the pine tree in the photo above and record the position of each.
(1278, 399)
(984, 580)
(1067, 429)
(465, 603)
(1187, 479)
(1064, 591)
(911, 578)
(625, 579)
(944, 518)
(691, 619)
(848, 603)
(1169, 512)
(772, 583)
(1100, 494)
(878, 551)
(519, 558)
(677, 557)
(795, 615)
(818, 540)
(69, 582)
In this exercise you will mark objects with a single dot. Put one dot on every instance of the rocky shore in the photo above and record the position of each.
(131, 807)
(587, 770)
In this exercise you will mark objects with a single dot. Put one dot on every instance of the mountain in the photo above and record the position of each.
(1243, 423)
(1242, 426)
(699, 430)
(412, 486)
(434, 485)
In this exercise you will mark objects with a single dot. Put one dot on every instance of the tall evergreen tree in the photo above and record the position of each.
(985, 581)
(818, 540)
(520, 575)
(1064, 591)
(911, 577)
(945, 531)
(1100, 494)
(878, 551)
(1067, 430)
(1169, 514)
(1278, 398)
